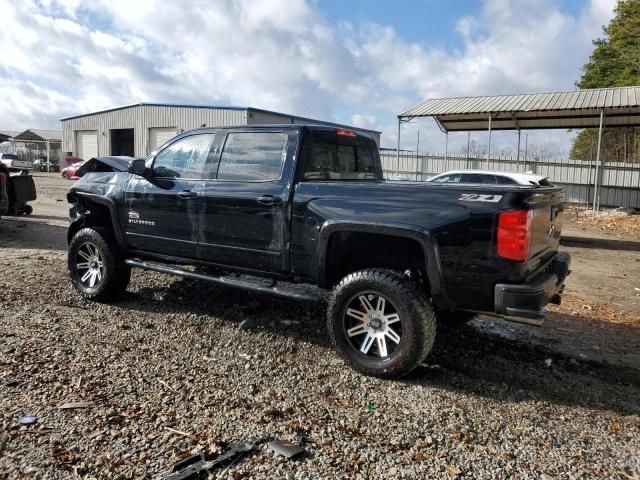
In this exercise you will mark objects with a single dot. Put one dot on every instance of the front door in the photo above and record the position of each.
(162, 211)
(244, 218)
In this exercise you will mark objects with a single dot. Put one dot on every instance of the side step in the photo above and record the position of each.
(226, 281)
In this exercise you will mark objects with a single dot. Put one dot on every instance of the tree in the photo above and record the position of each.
(615, 62)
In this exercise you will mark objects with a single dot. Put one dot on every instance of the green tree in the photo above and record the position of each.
(615, 62)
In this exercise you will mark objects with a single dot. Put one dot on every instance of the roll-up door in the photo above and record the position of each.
(159, 136)
(87, 144)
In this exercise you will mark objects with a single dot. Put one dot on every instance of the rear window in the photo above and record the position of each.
(505, 180)
(334, 161)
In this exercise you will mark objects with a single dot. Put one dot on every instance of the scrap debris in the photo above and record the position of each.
(198, 466)
(286, 449)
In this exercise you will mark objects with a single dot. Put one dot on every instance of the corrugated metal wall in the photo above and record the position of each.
(143, 117)
(620, 181)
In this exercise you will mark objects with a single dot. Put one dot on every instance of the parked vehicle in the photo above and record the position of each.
(70, 172)
(308, 204)
(488, 177)
(41, 165)
(14, 164)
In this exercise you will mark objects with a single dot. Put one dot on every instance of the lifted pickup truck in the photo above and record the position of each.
(308, 204)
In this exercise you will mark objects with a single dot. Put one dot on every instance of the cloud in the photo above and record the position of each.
(66, 57)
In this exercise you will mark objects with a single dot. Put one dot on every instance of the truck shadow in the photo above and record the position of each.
(464, 360)
(16, 233)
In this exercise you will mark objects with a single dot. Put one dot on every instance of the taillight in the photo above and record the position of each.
(514, 234)
(345, 132)
(3, 178)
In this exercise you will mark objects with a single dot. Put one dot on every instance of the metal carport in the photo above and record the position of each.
(587, 108)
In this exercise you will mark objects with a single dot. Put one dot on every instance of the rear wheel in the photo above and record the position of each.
(381, 323)
(96, 266)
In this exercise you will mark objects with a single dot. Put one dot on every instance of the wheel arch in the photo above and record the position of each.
(97, 211)
(410, 235)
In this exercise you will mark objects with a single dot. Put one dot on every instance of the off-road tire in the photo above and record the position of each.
(417, 317)
(117, 274)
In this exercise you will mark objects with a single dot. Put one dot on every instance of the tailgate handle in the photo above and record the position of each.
(187, 194)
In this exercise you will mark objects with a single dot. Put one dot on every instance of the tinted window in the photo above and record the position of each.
(252, 156)
(9, 156)
(479, 178)
(331, 161)
(183, 158)
(453, 178)
(505, 180)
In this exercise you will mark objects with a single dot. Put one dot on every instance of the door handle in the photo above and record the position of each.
(268, 200)
(187, 194)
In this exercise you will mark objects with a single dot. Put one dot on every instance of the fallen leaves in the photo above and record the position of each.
(581, 308)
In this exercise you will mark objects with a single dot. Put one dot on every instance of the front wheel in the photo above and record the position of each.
(96, 266)
(381, 322)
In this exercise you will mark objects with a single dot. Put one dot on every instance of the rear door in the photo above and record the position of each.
(245, 200)
(163, 211)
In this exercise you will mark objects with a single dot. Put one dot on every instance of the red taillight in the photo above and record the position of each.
(514, 234)
(345, 132)
(3, 178)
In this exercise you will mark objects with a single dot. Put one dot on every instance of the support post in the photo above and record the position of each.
(489, 147)
(48, 157)
(468, 148)
(418, 155)
(446, 151)
(596, 190)
(518, 155)
(526, 148)
(398, 149)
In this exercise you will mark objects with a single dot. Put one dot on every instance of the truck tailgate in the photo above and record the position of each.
(546, 223)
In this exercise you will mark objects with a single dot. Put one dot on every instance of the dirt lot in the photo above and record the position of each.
(492, 401)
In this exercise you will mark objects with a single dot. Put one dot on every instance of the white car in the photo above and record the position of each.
(12, 162)
(487, 177)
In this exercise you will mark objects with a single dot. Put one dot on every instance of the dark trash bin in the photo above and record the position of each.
(21, 189)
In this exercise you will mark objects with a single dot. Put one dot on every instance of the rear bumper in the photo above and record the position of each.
(528, 299)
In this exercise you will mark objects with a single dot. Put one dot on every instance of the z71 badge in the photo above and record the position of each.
(478, 197)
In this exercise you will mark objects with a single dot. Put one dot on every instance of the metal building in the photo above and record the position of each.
(137, 130)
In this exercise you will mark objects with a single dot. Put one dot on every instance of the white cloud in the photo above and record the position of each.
(67, 57)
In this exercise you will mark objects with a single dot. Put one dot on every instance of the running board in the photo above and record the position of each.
(536, 322)
(227, 282)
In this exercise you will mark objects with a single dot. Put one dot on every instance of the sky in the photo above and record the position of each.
(358, 62)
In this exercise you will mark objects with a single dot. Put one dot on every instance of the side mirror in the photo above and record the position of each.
(137, 166)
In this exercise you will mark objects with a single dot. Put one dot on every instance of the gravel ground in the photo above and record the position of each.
(172, 354)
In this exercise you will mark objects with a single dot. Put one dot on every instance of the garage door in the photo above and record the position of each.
(87, 144)
(159, 136)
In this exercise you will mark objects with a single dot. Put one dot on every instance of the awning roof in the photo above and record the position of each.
(40, 135)
(572, 109)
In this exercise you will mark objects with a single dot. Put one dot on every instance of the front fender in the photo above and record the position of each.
(422, 236)
(107, 202)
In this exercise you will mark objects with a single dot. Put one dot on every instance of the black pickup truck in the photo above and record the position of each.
(258, 206)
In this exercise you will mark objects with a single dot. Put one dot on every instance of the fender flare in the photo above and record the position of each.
(422, 236)
(113, 211)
